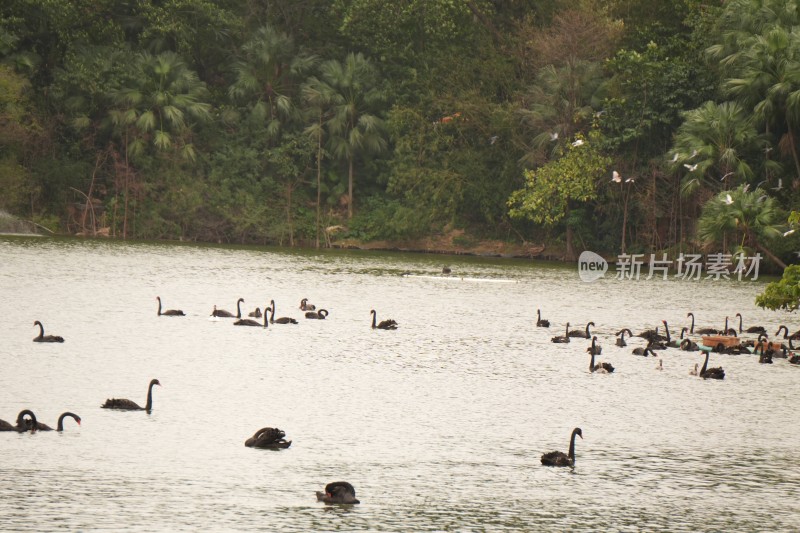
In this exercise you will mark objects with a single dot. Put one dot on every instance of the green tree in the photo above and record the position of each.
(783, 294)
(355, 127)
(158, 107)
(552, 189)
(751, 218)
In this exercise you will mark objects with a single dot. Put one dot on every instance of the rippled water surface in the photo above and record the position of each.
(439, 425)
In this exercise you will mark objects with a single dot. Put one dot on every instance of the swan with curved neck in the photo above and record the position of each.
(785, 331)
(582, 334)
(168, 312)
(700, 331)
(561, 458)
(688, 345)
(305, 306)
(22, 425)
(60, 427)
(48, 338)
(595, 349)
(562, 339)
(279, 320)
(383, 324)
(123, 404)
(268, 438)
(751, 329)
(338, 492)
(695, 371)
(222, 313)
(711, 373)
(621, 340)
(256, 313)
(647, 350)
(322, 314)
(541, 322)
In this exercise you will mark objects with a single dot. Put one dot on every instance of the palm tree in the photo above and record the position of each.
(155, 107)
(266, 77)
(354, 126)
(751, 217)
(318, 96)
(714, 141)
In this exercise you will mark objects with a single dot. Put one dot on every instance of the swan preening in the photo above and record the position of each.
(221, 313)
(268, 438)
(305, 306)
(45, 338)
(124, 404)
(338, 492)
(22, 425)
(562, 339)
(541, 322)
(383, 324)
(647, 350)
(256, 313)
(561, 458)
(168, 312)
(279, 320)
(711, 373)
(318, 315)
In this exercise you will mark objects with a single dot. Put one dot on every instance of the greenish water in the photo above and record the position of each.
(439, 425)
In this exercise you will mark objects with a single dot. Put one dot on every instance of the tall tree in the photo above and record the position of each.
(356, 128)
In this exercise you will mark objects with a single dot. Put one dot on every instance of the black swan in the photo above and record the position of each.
(446, 270)
(129, 405)
(562, 339)
(221, 313)
(561, 458)
(670, 343)
(795, 335)
(322, 314)
(688, 345)
(711, 373)
(60, 427)
(383, 324)
(541, 322)
(251, 322)
(256, 313)
(600, 368)
(279, 320)
(305, 306)
(751, 329)
(582, 334)
(727, 330)
(338, 492)
(652, 335)
(269, 438)
(647, 350)
(594, 349)
(22, 424)
(45, 338)
(701, 331)
(621, 340)
(168, 312)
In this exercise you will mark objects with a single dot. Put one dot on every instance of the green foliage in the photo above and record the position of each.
(783, 294)
(572, 177)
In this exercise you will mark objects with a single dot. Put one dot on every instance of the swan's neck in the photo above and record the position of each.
(374, 319)
(271, 310)
(266, 318)
(705, 365)
(159, 306)
(691, 329)
(571, 453)
(239, 308)
(666, 328)
(41, 330)
(149, 404)
(587, 331)
(591, 363)
(740, 324)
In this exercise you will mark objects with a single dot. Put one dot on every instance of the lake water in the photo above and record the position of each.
(439, 425)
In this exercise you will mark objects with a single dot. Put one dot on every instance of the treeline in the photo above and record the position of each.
(608, 123)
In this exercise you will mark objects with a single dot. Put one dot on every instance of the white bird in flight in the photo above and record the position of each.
(629, 180)
(577, 143)
(787, 233)
(728, 199)
(554, 136)
(691, 168)
(675, 157)
(615, 177)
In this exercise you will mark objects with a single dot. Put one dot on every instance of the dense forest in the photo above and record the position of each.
(622, 126)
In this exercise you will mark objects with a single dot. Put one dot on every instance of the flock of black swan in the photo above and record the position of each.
(342, 492)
